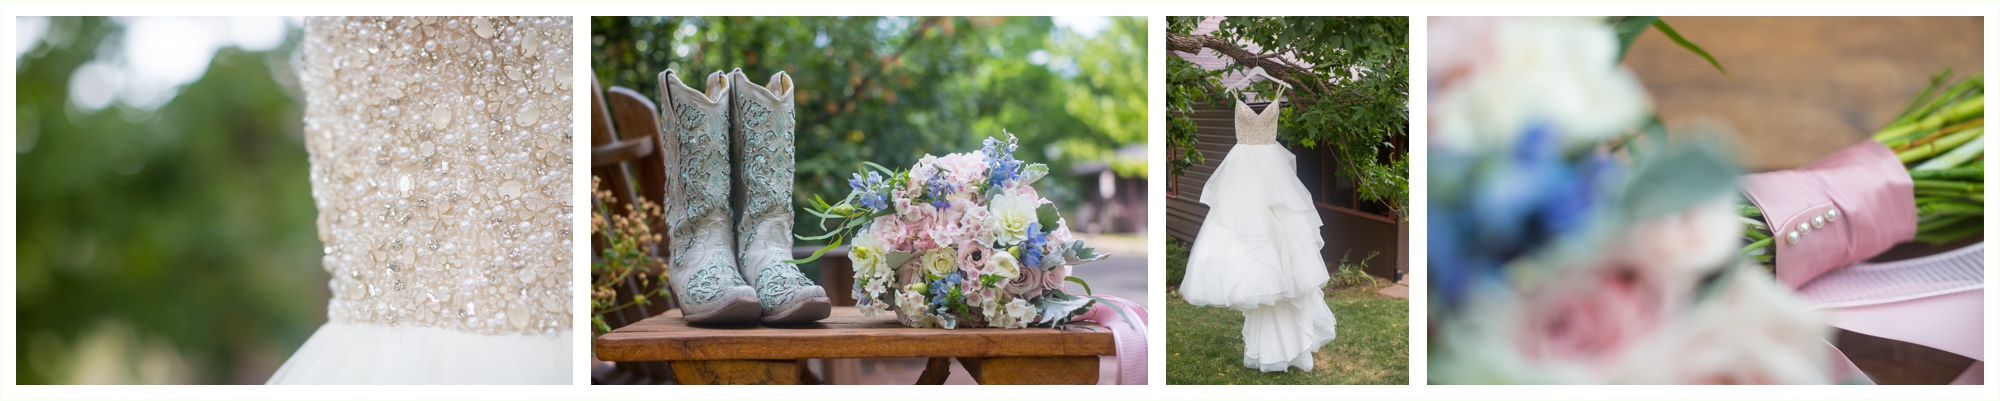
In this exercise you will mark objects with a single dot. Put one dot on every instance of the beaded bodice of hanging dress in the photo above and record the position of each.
(441, 168)
(1258, 248)
(1257, 127)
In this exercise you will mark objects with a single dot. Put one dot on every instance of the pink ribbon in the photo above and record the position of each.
(1873, 202)
(1129, 336)
(1935, 301)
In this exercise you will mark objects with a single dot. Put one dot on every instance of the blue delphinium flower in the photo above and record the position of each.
(938, 188)
(941, 290)
(1513, 203)
(1031, 249)
(868, 193)
(1001, 166)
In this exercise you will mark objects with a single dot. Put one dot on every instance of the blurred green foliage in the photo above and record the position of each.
(186, 231)
(891, 89)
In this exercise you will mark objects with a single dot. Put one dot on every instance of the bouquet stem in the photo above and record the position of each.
(1940, 139)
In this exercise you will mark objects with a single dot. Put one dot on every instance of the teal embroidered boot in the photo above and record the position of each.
(761, 123)
(701, 267)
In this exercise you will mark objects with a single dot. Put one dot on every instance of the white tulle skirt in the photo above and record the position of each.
(340, 353)
(1258, 252)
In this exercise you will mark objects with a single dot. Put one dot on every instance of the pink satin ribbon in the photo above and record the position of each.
(1129, 336)
(1935, 301)
(1864, 183)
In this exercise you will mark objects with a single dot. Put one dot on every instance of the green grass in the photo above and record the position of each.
(1205, 344)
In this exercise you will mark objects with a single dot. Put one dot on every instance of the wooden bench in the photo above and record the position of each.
(753, 354)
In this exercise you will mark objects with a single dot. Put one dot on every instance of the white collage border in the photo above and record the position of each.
(1156, 12)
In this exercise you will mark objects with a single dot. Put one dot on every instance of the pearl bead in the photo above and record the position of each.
(1819, 221)
(1804, 228)
(391, 106)
(1792, 237)
(1832, 214)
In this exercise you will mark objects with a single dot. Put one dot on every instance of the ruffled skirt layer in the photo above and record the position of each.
(342, 353)
(1258, 252)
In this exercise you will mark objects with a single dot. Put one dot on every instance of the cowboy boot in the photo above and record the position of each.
(761, 130)
(701, 267)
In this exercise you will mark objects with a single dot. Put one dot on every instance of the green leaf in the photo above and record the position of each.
(1075, 279)
(1033, 172)
(885, 170)
(1629, 29)
(1048, 217)
(816, 254)
(1676, 37)
(1676, 179)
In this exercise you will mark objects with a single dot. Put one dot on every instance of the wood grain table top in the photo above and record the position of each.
(846, 334)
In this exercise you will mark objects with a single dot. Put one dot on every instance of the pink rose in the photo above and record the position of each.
(1594, 320)
(1061, 234)
(1053, 279)
(1020, 189)
(1028, 284)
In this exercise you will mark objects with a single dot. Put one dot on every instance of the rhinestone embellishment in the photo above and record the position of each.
(392, 105)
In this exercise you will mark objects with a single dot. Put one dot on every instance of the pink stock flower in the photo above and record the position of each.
(892, 233)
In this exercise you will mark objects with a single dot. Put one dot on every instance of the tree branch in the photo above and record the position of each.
(1318, 90)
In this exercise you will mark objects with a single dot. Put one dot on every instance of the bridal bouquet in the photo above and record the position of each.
(1555, 259)
(962, 240)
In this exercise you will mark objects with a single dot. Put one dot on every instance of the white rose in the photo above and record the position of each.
(1003, 265)
(940, 261)
(1008, 217)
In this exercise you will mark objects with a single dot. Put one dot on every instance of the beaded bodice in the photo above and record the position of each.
(1257, 128)
(441, 167)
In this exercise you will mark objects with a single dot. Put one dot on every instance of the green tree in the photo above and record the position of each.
(1350, 89)
(190, 225)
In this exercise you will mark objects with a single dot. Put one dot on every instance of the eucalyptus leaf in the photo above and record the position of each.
(1677, 178)
(897, 258)
(1058, 305)
(1048, 217)
(1033, 172)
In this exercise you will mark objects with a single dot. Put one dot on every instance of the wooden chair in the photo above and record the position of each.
(619, 153)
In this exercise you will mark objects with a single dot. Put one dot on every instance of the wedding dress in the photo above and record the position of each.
(1258, 249)
(441, 168)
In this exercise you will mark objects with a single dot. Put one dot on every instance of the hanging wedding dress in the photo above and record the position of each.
(441, 167)
(1258, 249)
